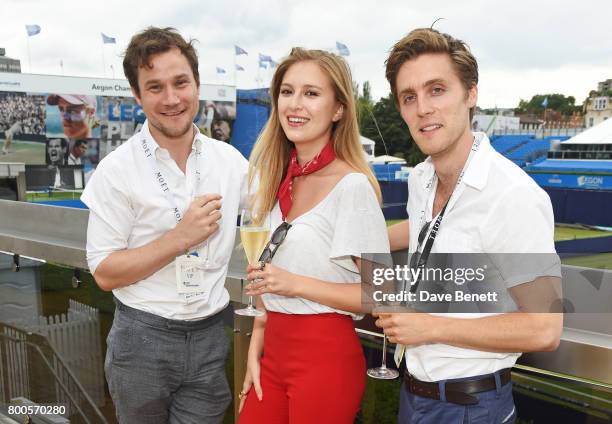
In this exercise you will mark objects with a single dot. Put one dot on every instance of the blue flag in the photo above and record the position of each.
(545, 103)
(220, 70)
(265, 58)
(239, 68)
(108, 40)
(342, 49)
(32, 29)
(239, 50)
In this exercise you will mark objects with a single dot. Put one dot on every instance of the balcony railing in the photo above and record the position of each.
(58, 235)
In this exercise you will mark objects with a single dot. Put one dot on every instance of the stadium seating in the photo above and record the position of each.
(506, 143)
(529, 151)
(524, 149)
(566, 165)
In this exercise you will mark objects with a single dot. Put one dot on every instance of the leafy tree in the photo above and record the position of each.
(382, 121)
(559, 102)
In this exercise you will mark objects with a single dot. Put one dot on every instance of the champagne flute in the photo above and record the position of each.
(382, 372)
(254, 233)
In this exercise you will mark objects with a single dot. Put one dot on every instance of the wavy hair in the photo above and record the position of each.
(270, 156)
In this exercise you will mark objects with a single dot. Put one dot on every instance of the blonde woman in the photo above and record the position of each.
(313, 178)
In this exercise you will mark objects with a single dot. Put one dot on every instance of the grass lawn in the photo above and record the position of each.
(29, 152)
(561, 232)
(570, 233)
(55, 195)
(601, 261)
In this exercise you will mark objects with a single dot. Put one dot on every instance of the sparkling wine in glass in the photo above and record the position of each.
(254, 234)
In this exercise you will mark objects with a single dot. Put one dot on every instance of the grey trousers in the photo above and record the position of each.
(167, 371)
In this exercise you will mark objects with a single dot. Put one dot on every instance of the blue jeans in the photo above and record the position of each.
(165, 371)
(494, 406)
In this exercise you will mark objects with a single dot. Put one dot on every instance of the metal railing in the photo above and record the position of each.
(58, 234)
(31, 368)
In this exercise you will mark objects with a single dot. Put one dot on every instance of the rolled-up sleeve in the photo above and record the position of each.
(111, 215)
(519, 236)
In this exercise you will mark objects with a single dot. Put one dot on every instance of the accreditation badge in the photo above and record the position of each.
(189, 274)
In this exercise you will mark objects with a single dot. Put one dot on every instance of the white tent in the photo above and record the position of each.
(388, 159)
(368, 146)
(598, 134)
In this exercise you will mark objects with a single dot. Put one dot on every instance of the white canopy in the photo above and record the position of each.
(388, 159)
(598, 134)
(367, 141)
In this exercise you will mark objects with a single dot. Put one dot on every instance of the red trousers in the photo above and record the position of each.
(312, 371)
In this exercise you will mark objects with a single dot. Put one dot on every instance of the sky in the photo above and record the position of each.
(523, 47)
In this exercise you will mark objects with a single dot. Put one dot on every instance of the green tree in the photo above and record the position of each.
(382, 121)
(559, 102)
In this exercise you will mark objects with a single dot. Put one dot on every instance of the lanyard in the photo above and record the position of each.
(421, 261)
(161, 180)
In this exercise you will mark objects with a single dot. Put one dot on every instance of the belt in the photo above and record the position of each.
(168, 324)
(459, 392)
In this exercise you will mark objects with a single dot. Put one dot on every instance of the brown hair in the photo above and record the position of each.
(425, 40)
(152, 41)
(270, 156)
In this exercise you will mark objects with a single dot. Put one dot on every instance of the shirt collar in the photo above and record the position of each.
(478, 169)
(198, 139)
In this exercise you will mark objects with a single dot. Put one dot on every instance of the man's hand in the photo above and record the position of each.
(199, 222)
(408, 328)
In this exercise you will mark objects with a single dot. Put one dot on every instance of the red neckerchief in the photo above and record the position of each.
(294, 169)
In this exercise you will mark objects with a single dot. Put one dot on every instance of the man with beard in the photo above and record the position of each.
(155, 238)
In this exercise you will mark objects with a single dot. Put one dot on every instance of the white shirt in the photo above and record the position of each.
(497, 208)
(72, 160)
(321, 242)
(14, 129)
(128, 209)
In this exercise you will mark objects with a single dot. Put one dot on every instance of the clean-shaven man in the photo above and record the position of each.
(465, 198)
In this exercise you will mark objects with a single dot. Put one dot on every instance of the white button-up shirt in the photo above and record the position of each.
(128, 209)
(497, 208)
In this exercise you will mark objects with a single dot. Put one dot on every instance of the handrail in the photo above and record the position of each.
(40, 231)
(82, 393)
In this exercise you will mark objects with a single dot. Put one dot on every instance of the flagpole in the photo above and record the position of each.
(29, 59)
(103, 61)
(235, 71)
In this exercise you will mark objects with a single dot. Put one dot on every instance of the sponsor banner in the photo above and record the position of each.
(576, 181)
(33, 83)
(62, 121)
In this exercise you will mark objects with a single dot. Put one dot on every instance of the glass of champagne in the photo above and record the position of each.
(254, 233)
(382, 372)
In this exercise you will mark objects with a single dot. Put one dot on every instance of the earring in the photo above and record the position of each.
(339, 112)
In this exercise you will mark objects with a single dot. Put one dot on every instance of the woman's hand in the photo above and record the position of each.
(251, 379)
(271, 279)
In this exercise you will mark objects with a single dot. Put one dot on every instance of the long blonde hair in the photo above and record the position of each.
(270, 155)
